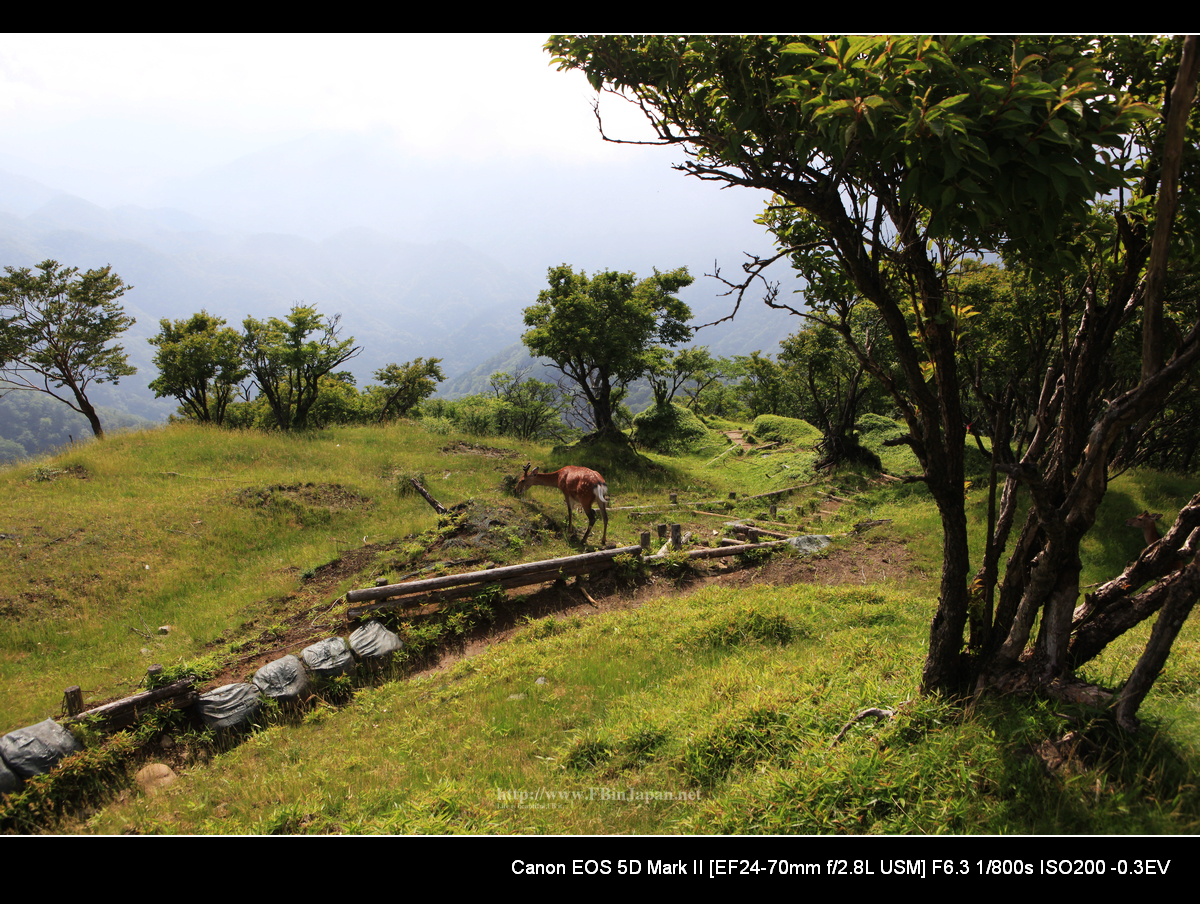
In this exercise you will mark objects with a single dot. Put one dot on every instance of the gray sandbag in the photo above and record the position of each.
(810, 543)
(283, 679)
(373, 641)
(8, 779)
(328, 658)
(231, 706)
(34, 750)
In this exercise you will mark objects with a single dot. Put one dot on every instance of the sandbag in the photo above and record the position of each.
(283, 679)
(8, 779)
(810, 543)
(373, 641)
(328, 658)
(231, 706)
(34, 750)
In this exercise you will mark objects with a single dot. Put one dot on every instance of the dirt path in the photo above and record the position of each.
(736, 437)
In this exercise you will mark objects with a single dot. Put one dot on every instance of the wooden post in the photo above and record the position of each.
(752, 534)
(646, 540)
(773, 507)
(153, 673)
(674, 499)
(676, 536)
(662, 532)
(73, 700)
(733, 495)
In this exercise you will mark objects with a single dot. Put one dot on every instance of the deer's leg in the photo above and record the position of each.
(591, 523)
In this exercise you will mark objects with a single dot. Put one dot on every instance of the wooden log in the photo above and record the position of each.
(178, 694)
(740, 527)
(676, 536)
(437, 506)
(434, 597)
(722, 551)
(488, 576)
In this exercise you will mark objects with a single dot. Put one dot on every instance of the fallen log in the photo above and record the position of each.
(453, 593)
(742, 527)
(178, 694)
(488, 576)
(437, 506)
(719, 552)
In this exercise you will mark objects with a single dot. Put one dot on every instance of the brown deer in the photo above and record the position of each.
(1146, 521)
(580, 486)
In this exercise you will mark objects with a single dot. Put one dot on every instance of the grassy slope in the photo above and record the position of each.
(727, 699)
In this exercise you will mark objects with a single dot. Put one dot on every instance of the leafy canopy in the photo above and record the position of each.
(288, 358)
(199, 362)
(56, 326)
(599, 330)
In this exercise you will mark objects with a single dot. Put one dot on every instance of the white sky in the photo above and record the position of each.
(153, 106)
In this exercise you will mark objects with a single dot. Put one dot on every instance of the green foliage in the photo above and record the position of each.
(669, 429)
(774, 428)
(407, 385)
(202, 669)
(86, 778)
(599, 330)
(670, 371)
(287, 365)
(765, 387)
(56, 330)
(588, 753)
(529, 409)
(990, 134)
(199, 362)
(746, 624)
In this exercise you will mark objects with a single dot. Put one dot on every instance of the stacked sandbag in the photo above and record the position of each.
(374, 642)
(328, 658)
(35, 750)
(229, 707)
(284, 679)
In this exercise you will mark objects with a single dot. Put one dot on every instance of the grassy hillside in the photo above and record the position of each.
(710, 699)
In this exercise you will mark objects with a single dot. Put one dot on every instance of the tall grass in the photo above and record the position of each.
(710, 712)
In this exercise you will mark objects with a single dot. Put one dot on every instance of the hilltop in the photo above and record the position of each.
(723, 682)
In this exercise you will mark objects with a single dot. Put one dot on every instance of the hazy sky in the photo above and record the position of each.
(132, 108)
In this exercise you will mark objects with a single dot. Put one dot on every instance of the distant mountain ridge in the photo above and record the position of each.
(400, 299)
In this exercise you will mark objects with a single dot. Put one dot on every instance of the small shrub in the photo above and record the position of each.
(588, 753)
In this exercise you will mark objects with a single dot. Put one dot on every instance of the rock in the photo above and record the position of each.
(155, 776)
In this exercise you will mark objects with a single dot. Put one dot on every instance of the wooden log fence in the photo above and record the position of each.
(453, 586)
(178, 694)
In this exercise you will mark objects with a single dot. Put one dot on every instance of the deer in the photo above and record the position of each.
(580, 486)
(1146, 521)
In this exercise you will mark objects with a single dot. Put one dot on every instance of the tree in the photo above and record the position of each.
(529, 409)
(669, 371)
(834, 384)
(598, 331)
(408, 384)
(890, 158)
(199, 362)
(56, 329)
(287, 366)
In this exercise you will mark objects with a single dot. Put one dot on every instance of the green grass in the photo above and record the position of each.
(709, 712)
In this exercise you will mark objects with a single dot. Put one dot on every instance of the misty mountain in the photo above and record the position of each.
(420, 259)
